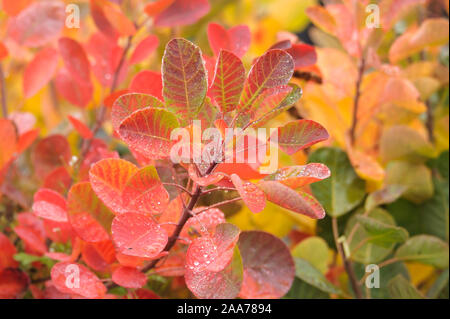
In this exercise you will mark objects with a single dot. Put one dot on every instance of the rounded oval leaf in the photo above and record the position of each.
(269, 269)
(138, 235)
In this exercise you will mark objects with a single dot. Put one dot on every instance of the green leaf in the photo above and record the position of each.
(415, 177)
(26, 260)
(302, 290)
(311, 275)
(382, 234)
(439, 285)
(404, 143)
(387, 273)
(369, 252)
(424, 249)
(184, 78)
(344, 190)
(314, 250)
(387, 195)
(400, 288)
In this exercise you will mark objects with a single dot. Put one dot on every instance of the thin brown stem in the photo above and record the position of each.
(356, 100)
(183, 219)
(3, 92)
(380, 265)
(102, 111)
(347, 263)
(225, 202)
(208, 191)
(179, 187)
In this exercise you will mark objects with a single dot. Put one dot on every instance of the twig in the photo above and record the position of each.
(183, 219)
(208, 191)
(356, 99)
(102, 112)
(179, 187)
(225, 202)
(347, 263)
(3, 92)
(380, 265)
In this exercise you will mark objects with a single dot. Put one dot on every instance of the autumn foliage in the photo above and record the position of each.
(93, 204)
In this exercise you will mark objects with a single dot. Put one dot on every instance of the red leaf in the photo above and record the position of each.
(304, 55)
(64, 275)
(146, 294)
(80, 127)
(3, 51)
(97, 152)
(297, 135)
(228, 83)
(182, 12)
(156, 7)
(110, 99)
(13, 282)
(12, 8)
(99, 255)
(298, 202)
(89, 217)
(207, 180)
(173, 265)
(147, 131)
(269, 269)
(224, 284)
(212, 252)
(30, 220)
(252, 196)
(145, 193)
(106, 54)
(203, 223)
(148, 82)
(118, 20)
(48, 15)
(58, 232)
(144, 48)
(128, 103)
(50, 153)
(138, 235)
(49, 204)
(8, 140)
(129, 277)
(8, 251)
(184, 78)
(236, 40)
(32, 239)
(59, 180)
(171, 215)
(39, 71)
(108, 178)
(101, 21)
(26, 139)
(272, 69)
(74, 91)
(75, 59)
(298, 176)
